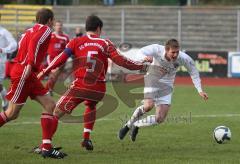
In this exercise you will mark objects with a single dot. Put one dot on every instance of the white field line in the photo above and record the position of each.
(215, 115)
(110, 119)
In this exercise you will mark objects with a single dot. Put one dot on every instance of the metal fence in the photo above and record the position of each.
(197, 28)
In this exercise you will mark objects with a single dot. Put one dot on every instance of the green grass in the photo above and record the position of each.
(180, 139)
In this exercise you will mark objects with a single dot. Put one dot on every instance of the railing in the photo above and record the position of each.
(197, 28)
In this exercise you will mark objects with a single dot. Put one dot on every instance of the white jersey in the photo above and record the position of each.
(169, 68)
(7, 43)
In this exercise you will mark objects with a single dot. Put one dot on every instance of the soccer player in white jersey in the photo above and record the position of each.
(158, 83)
(7, 45)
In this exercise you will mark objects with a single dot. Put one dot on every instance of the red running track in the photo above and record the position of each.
(209, 81)
(206, 81)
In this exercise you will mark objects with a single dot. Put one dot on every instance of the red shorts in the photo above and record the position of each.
(20, 89)
(8, 68)
(78, 93)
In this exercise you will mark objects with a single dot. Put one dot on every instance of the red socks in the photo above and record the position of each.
(49, 125)
(3, 118)
(89, 120)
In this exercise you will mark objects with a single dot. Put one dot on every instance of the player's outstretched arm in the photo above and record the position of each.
(203, 95)
(125, 62)
(121, 60)
(58, 61)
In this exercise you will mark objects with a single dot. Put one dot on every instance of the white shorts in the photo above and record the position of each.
(157, 90)
(159, 96)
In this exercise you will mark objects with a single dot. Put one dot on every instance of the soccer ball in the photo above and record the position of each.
(221, 134)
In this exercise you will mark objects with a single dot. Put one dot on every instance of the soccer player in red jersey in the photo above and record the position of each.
(57, 44)
(24, 82)
(91, 55)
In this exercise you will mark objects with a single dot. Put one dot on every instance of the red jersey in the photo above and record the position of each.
(33, 45)
(91, 54)
(57, 44)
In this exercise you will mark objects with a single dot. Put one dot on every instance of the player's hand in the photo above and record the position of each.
(144, 68)
(203, 95)
(148, 59)
(28, 71)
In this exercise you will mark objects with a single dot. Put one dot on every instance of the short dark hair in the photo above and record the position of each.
(172, 43)
(43, 15)
(93, 22)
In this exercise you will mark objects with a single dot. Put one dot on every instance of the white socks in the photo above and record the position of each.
(136, 116)
(148, 121)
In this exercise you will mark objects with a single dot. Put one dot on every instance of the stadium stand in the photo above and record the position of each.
(17, 17)
(201, 28)
(205, 28)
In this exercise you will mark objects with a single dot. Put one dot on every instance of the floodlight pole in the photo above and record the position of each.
(238, 30)
(122, 26)
(179, 24)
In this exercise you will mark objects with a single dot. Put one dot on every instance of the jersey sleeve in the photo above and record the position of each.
(192, 70)
(120, 60)
(150, 50)
(38, 39)
(12, 44)
(61, 58)
(71, 45)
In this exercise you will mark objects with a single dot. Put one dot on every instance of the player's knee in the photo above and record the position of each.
(50, 106)
(148, 106)
(90, 105)
(15, 116)
(12, 115)
(58, 112)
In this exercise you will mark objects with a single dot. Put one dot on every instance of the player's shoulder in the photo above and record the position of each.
(152, 49)
(154, 46)
(61, 36)
(40, 29)
(183, 56)
(79, 39)
(99, 40)
(109, 42)
(76, 41)
(65, 35)
(41, 26)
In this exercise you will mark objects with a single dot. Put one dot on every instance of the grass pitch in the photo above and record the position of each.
(185, 137)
